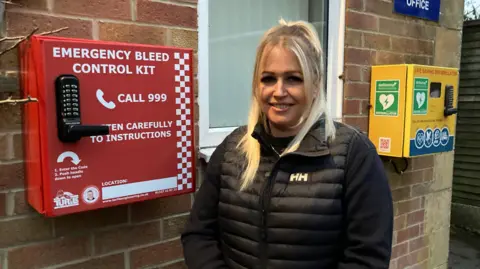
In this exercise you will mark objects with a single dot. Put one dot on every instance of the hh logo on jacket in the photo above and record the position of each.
(299, 177)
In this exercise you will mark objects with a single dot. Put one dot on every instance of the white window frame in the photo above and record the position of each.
(212, 137)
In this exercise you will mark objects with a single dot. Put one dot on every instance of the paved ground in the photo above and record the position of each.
(464, 250)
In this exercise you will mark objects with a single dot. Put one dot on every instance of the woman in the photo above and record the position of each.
(292, 189)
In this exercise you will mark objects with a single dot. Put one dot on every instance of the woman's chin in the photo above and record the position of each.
(284, 125)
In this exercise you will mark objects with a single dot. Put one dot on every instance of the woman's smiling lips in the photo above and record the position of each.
(280, 107)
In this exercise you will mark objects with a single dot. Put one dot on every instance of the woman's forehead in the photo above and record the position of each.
(279, 60)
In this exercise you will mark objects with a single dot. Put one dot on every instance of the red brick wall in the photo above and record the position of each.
(375, 36)
(141, 235)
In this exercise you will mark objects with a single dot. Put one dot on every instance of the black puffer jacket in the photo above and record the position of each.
(324, 206)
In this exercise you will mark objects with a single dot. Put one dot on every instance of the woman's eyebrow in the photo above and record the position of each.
(289, 72)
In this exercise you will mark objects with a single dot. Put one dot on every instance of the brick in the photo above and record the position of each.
(3, 205)
(413, 258)
(177, 265)
(413, 46)
(379, 7)
(384, 57)
(10, 115)
(399, 222)
(418, 59)
(423, 162)
(407, 206)
(361, 21)
(410, 178)
(9, 62)
(195, 89)
(11, 175)
(364, 107)
(23, 230)
(4, 147)
(401, 194)
(9, 80)
(23, 24)
(30, 4)
(195, 72)
(379, 42)
(197, 137)
(125, 32)
(424, 265)
(156, 254)
(126, 237)
(358, 122)
(415, 217)
(399, 250)
(168, 14)
(418, 243)
(173, 227)
(360, 56)
(161, 207)
(184, 38)
(48, 253)
(111, 9)
(85, 221)
(187, 1)
(18, 146)
(402, 28)
(351, 107)
(355, 4)
(357, 90)
(353, 73)
(428, 174)
(353, 38)
(393, 264)
(116, 261)
(21, 205)
(420, 189)
(406, 234)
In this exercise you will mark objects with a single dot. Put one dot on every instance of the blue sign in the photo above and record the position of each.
(431, 141)
(425, 9)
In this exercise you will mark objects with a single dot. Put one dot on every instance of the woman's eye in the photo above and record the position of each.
(295, 79)
(268, 80)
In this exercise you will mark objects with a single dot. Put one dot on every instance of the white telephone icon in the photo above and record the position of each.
(109, 105)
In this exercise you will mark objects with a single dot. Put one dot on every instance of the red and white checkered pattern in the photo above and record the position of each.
(184, 123)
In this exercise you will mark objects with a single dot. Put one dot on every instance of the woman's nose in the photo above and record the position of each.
(280, 89)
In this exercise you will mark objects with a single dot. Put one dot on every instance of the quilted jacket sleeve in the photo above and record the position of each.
(368, 209)
(200, 238)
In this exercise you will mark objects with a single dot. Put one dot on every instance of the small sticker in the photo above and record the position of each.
(384, 144)
(65, 199)
(386, 97)
(420, 139)
(428, 138)
(420, 96)
(90, 195)
(445, 136)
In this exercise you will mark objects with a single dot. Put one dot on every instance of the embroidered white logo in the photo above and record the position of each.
(299, 177)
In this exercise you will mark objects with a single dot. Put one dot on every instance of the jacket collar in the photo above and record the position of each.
(313, 143)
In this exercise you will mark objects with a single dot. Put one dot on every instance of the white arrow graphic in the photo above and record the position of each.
(75, 159)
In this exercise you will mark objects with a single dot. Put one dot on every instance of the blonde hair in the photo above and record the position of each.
(302, 39)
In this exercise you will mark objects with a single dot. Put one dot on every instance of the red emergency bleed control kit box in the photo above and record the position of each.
(113, 124)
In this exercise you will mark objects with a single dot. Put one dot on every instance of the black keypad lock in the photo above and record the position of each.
(69, 123)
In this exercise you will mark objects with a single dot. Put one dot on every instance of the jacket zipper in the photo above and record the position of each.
(264, 204)
(265, 200)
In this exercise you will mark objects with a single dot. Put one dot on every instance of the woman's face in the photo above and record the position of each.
(282, 91)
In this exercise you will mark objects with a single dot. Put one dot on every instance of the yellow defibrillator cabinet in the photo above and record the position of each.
(413, 109)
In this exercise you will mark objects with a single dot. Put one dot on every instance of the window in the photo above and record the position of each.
(229, 32)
